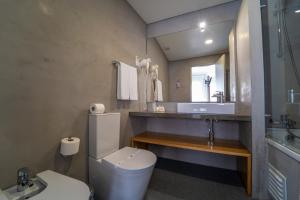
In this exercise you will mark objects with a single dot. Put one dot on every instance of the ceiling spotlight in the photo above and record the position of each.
(209, 41)
(202, 26)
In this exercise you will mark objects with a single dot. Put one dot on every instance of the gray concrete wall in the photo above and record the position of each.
(250, 84)
(56, 59)
(243, 61)
(181, 71)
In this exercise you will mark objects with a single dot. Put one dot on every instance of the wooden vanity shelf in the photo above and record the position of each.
(225, 147)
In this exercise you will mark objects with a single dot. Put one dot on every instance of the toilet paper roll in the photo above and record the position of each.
(97, 108)
(69, 146)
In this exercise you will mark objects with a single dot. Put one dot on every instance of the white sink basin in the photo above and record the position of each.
(36, 187)
(50, 186)
(208, 108)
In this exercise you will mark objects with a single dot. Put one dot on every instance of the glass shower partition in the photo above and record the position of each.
(281, 33)
(281, 37)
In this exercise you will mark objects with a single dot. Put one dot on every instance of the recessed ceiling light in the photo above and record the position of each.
(202, 26)
(297, 11)
(209, 41)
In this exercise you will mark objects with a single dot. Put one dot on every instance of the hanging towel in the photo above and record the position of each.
(159, 90)
(123, 81)
(150, 89)
(133, 86)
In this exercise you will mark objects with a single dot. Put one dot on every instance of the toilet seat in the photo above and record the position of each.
(130, 160)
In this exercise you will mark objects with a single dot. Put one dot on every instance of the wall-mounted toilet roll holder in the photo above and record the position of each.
(69, 146)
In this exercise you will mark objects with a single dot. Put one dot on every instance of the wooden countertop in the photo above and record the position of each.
(195, 116)
(225, 147)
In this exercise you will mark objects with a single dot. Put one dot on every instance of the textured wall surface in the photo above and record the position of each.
(181, 71)
(56, 59)
(251, 87)
(243, 61)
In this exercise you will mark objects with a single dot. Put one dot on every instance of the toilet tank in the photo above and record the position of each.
(104, 134)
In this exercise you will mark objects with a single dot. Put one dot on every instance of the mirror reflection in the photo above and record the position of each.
(201, 54)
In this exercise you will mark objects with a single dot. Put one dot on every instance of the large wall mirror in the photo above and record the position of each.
(200, 48)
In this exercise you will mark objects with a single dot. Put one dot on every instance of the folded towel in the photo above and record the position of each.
(123, 82)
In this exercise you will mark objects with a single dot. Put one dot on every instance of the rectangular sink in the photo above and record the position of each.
(33, 189)
(208, 108)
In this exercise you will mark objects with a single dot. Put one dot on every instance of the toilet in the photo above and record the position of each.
(116, 174)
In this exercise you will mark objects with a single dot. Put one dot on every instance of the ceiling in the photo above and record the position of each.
(191, 43)
(156, 10)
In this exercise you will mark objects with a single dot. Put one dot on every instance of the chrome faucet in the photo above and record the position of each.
(23, 180)
(211, 133)
(286, 122)
(220, 96)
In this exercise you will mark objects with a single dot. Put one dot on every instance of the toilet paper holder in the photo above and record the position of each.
(69, 146)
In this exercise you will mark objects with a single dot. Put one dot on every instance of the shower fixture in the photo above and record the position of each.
(283, 32)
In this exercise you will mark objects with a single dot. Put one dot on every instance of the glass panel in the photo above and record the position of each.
(281, 35)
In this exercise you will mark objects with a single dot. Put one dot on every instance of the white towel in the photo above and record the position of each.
(159, 90)
(123, 82)
(150, 89)
(133, 86)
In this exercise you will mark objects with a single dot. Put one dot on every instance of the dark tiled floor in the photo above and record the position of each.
(173, 180)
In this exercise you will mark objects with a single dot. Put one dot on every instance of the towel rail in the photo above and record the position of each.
(116, 63)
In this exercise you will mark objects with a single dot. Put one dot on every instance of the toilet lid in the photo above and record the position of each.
(131, 158)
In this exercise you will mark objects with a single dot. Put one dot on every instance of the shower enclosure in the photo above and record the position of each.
(281, 31)
(281, 37)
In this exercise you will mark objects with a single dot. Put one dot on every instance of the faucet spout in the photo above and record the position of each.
(211, 134)
(220, 96)
(23, 179)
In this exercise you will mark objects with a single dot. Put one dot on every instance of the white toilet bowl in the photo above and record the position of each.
(116, 174)
(122, 175)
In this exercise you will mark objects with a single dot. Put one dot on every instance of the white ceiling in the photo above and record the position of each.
(156, 10)
(191, 43)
